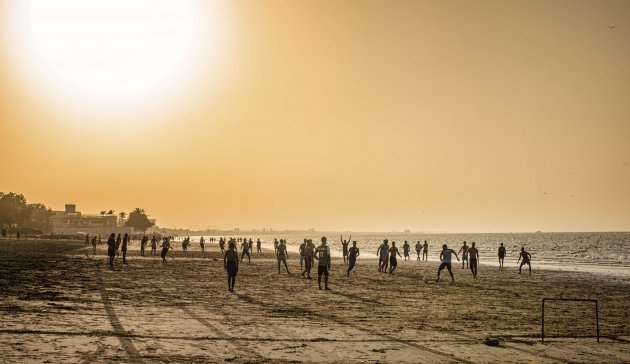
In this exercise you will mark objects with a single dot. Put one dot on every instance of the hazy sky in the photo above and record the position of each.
(467, 116)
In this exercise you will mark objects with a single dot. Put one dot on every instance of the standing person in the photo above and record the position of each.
(143, 244)
(166, 244)
(118, 241)
(259, 246)
(153, 245)
(245, 248)
(322, 254)
(222, 245)
(302, 248)
(381, 252)
(202, 244)
(94, 244)
(230, 263)
(473, 253)
(125, 241)
(425, 251)
(251, 246)
(393, 263)
(282, 255)
(87, 239)
(445, 257)
(406, 250)
(275, 246)
(526, 260)
(464, 249)
(353, 253)
(418, 249)
(344, 248)
(501, 255)
(309, 252)
(111, 249)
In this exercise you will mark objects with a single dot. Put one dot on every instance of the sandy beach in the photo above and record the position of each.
(61, 303)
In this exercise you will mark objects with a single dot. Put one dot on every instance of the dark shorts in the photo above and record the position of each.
(111, 252)
(322, 269)
(282, 258)
(445, 265)
(351, 262)
(473, 263)
(465, 257)
(232, 268)
(525, 261)
(164, 252)
(501, 256)
(308, 262)
(392, 261)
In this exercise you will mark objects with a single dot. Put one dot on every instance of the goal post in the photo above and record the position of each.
(570, 300)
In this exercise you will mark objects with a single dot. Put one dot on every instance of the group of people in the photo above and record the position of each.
(309, 253)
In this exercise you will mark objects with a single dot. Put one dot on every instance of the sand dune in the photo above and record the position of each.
(61, 303)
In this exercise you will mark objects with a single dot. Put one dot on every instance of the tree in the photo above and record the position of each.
(13, 209)
(138, 220)
(121, 217)
(39, 217)
(102, 212)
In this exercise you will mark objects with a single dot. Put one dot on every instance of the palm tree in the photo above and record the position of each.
(139, 210)
(103, 212)
(121, 217)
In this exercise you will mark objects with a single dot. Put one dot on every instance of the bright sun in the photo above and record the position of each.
(111, 50)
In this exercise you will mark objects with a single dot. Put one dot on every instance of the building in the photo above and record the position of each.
(72, 222)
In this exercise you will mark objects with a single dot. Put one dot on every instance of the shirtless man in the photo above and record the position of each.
(406, 250)
(245, 248)
(445, 257)
(258, 246)
(309, 252)
(322, 254)
(282, 255)
(501, 255)
(166, 244)
(464, 251)
(344, 248)
(393, 263)
(353, 253)
(473, 253)
(418, 249)
(301, 250)
(230, 263)
(425, 251)
(202, 244)
(382, 253)
(111, 249)
(222, 244)
(526, 260)
(153, 245)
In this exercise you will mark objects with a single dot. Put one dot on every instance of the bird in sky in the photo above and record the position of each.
(611, 27)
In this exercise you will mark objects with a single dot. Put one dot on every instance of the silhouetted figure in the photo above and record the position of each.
(222, 245)
(425, 251)
(282, 255)
(526, 260)
(125, 241)
(143, 244)
(166, 245)
(230, 263)
(94, 244)
(118, 242)
(301, 251)
(87, 239)
(464, 251)
(322, 254)
(259, 246)
(309, 253)
(473, 253)
(202, 244)
(382, 254)
(393, 262)
(344, 248)
(445, 258)
(418, 249)
(406, 248)
(111, 249)
(353, 253)
(153, 245)
(501, 255)
(245, 247)
(275, 246)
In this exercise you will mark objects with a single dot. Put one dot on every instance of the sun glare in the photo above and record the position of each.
(106, 51)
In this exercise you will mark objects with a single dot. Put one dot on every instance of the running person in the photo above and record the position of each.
(230, 263)
(445, 257)
(473, 253)
(393, 263)
(322, 254)
(526, 260)
(501, 255)
(111, 249)
(353, 253)
(282, 255)
(245, 247)
(381, 252)
(464, 251)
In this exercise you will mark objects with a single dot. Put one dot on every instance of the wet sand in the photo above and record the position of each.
(61, 303)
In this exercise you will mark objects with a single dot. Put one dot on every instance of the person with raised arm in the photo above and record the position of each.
(445, 258)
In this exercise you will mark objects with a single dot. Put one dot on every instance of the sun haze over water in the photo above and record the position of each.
(350, 115)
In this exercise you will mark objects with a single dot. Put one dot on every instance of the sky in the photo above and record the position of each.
(460, 116)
